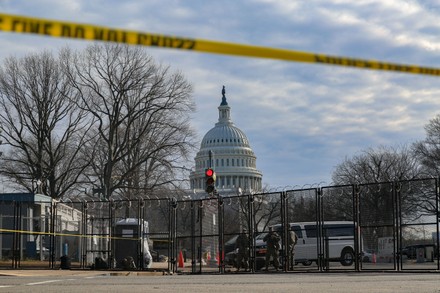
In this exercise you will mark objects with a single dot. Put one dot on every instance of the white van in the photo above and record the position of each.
(337, 243)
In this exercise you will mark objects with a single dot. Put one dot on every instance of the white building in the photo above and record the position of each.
(233, 159)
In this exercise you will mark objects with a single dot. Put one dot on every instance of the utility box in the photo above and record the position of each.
(65, 262)
(131, 249)
(429, 251)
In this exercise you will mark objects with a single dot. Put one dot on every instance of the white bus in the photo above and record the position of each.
(337, 243)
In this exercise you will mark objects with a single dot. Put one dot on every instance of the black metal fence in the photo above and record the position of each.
(382, 226)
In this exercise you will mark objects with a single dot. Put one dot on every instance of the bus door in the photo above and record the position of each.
(310, 242)
(300, 252)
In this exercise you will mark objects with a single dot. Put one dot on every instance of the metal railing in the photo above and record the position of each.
(391, 226)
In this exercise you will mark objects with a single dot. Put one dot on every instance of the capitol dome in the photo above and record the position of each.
(224, 135)
(232, 157)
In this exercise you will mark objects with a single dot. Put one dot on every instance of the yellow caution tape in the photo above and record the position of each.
(22, 24)
(66, 234)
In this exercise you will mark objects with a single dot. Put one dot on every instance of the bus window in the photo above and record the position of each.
(310, 231)
(298, 231)
(339, 230)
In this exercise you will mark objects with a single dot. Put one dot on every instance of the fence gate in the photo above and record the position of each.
(303, 206)
(418, 219)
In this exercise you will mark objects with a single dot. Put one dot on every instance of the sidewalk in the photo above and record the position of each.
(79, 273)
(159, 268)
(43, 272)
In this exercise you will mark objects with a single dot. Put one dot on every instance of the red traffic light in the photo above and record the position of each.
(209, 172)
(210, 180)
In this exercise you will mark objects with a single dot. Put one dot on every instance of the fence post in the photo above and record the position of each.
(221, 241)
(357, 232)
(52, 239)
(286, 233)
(397, 186)
(319, 211)
(173, 234)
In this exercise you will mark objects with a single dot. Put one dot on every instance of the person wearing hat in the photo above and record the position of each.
(242, 246)
(272, 240)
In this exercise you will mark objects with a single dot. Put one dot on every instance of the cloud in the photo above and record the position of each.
(301, 119)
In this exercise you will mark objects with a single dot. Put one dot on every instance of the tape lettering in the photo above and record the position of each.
(110, 35)
(33, 27)
(164, 41)
(343, 61)
(76, 31)
(23, 24)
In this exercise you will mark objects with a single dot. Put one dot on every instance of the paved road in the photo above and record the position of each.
(95, 281)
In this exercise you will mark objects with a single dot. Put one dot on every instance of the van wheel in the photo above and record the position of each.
(307, 263)
(347, 256)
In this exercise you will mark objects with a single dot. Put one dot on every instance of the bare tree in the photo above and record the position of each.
(42, 128)
(428, 150)
(142, 133)
(375, 173)
(302, 206)
(383, 164)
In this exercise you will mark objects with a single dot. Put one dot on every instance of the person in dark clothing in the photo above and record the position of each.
(272, 240)
(242, 245)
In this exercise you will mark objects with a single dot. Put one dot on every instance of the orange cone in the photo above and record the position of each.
(181, 262)
(219, 260)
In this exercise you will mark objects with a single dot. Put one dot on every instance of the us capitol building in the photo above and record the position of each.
(232, 157)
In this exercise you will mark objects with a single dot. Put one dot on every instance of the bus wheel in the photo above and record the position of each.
(347, 257)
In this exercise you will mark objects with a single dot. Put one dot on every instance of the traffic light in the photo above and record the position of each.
(210, 180)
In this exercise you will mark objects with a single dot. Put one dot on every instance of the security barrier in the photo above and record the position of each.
(382, 226)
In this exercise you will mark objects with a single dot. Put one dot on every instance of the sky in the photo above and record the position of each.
(301, 119)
